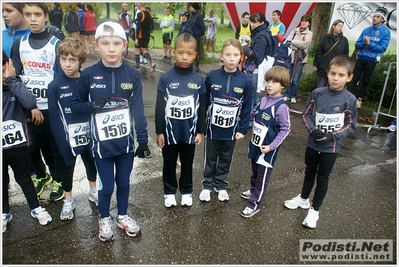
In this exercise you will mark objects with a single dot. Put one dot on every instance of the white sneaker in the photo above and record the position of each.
(42, 215)
(293, 100)
(285, 98)
(222, 195)
(246, 194)
(205, 195)
(129, 224)
(186, 200)
(311, 219)
(297, 202)
(7, 217)
(93, 197)
(170, 200)
(67, 210)
(248, 212)
(105, 232)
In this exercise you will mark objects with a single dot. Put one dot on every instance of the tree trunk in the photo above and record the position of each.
(320, 21)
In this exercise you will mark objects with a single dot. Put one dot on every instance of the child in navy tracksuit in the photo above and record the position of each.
(17, 98)
(180, 120)
(230, 92)
(271, 125)
(111, 91)
(71, 131)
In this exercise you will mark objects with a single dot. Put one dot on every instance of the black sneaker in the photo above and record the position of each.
(41, 183)
(57, 193)
(164, 59)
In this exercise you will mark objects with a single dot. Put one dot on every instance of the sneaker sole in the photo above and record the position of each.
(44, 186)
(249, 215)
(57, 199)
(171, 205)
(93, 200)
(129, 234)
(106, 239)
(306, 225)
(67, 218)
(294, 208)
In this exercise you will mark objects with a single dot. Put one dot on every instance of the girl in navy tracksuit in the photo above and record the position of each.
(230, 93)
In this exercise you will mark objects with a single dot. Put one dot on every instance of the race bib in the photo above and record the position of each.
(223, 116)
(113, 125)
(12, 133)
(258, 134)
(38, 87)
(329, 123)
(180, 108)
(79, 134)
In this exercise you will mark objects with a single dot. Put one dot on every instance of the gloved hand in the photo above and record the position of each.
(321, 137)
(100, 101)
(143, 151)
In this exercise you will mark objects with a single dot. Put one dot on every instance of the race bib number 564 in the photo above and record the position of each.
(12, 133)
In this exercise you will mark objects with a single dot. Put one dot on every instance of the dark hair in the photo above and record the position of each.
(5, 58)
(278, 12)
(42, 6)
(278, 74)
(307, 17)
(257, 17)
(89, 7)
(17, 6)
(58, 5)
(343, 61)
(79, 5)
(186, 38)
(245, 14)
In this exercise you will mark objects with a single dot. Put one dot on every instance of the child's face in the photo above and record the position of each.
(111, 49)
(70, 65)
(35, 18)
(275, 17)
(255, 24)
(338, 77)
(231, 57)
(273, 88)
(12, 17)
(185, 54)
(245, 19)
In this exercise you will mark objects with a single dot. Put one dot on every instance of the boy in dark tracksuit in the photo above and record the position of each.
(16, 98)
(230, 92)
(329, 115)
(180, 119)
(111, 91)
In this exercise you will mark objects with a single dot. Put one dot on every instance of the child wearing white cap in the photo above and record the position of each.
(111, 88)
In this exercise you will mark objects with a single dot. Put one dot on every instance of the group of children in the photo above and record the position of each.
(92, 114)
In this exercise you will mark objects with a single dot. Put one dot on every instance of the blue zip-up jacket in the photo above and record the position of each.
(60, 92)
(323, 100)
(379, 41)
(8, 38)
(16, 99)
(123, 85)
(261, 45)
(229, 94)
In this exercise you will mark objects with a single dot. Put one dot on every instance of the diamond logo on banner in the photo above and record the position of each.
(353, 14)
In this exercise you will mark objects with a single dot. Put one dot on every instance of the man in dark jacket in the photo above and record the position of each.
(199, 30)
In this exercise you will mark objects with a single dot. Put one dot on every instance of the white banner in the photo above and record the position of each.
(358, 16)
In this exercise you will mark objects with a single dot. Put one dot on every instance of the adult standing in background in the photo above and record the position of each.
(277, 27)
(124, 18)
(71, 22)
(17, 26)
(168, 26)
(372, 42)
(332, 44)
(301, 39)
(212, 31)
(81, 14)
(56, 15)
(199, 30)
(90, 22)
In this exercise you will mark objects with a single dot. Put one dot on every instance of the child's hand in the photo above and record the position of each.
(10, 70)
(37, 116)
(239, 136)
(160, 140)
(265, 149)
(198, 139)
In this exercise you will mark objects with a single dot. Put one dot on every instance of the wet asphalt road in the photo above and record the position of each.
(361, 204)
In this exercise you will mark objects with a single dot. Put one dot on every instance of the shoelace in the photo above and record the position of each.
(105, 224)
(56, 186)
(68, 205)
(128, 221)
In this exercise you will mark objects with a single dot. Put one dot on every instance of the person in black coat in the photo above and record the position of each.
(56, 16)
(330, 45)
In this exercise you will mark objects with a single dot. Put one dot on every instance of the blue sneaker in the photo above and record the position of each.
(7, 217)
(42, 215)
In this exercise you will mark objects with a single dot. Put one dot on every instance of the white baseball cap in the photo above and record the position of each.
(114, 29)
